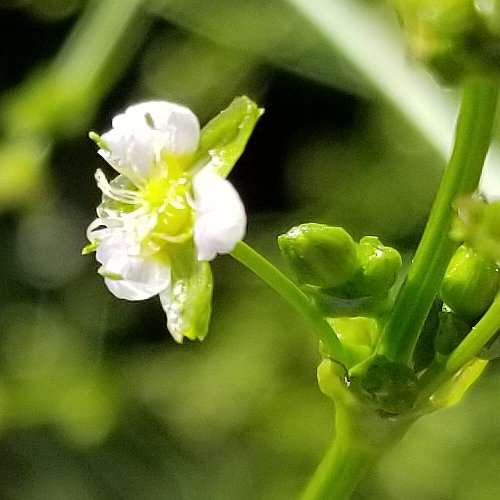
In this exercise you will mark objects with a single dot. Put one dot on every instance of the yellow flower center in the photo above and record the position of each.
(166, 193)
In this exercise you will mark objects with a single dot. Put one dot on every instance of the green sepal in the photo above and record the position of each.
(359, 334)
(223, 139)
(319, 255)
(332, 379)
(333, 304)
(470, 283)
(380, 267)
(188, 301)
(453, 390)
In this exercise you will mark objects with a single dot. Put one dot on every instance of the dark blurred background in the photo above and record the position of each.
(96, 400)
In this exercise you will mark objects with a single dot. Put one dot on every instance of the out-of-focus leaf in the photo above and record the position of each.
(271, 30)
(189, 69)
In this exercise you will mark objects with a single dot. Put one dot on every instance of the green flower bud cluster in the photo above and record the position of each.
(349, 282)
(343, 277)
(454, 37)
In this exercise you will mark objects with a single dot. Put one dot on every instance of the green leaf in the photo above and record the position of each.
(223, 139)
(333, 305)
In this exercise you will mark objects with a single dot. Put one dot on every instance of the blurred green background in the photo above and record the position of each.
(96, 400)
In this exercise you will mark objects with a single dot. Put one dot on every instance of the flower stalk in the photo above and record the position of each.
(247, 256)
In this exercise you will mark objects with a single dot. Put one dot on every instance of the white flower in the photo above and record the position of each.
(157, 204)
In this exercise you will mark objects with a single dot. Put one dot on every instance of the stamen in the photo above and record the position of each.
(118, 194)
(98, 141)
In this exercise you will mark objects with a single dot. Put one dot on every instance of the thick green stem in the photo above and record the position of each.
(362, 438)
(472, 139)
(290, 292)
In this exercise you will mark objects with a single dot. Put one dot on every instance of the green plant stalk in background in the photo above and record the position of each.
(59, 100)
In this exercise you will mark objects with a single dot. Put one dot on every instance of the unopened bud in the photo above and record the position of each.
(319, 255)
(454, 37)
(470, 283)
(380, 266)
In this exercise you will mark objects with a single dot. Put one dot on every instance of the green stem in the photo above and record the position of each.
(472, 139)
(362, 437)
(95, 49)
(290, 292)
(58, 100)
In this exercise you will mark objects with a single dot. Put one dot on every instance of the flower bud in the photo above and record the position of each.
(478, 224)
(380, 266)
(319, 255)
(470, 283)
(452, 36)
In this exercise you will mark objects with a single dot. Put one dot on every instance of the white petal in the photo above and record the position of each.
(177, 126)
(145, 130)
(220, 215)
(142, 276)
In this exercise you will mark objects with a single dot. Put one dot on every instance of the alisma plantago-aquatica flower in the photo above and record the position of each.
(170, 210)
